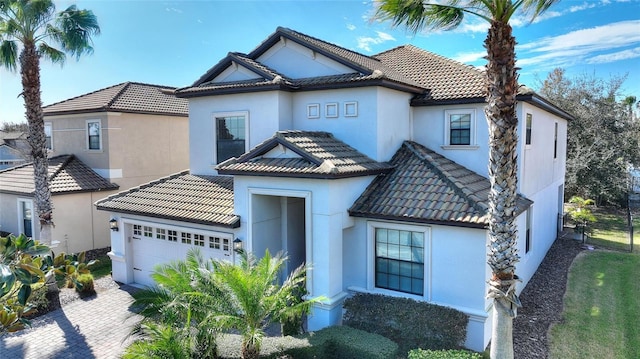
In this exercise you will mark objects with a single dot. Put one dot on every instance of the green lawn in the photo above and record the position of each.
(611, 229)
(601, 308)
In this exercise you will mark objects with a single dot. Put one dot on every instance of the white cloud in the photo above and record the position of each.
(365, 43)
(584, 6)
(601, 44)
(615, 56)
(173, 9)
(351, 27)
(470, 57)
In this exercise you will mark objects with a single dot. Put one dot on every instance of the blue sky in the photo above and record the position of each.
(175, 42)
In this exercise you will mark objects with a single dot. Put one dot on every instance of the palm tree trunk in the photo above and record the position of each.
(500, 111)
(30, 72)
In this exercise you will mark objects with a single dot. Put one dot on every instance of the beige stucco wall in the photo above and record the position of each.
(78, 225)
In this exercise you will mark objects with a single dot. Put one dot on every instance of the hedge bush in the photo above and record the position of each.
(409, 323)
(339, 342)
(443, 354)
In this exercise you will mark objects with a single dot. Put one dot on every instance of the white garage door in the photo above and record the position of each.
(154, 244)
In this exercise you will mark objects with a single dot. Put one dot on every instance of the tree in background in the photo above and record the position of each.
(502, 88)
(29, 30)
(604, 138)
(14, 127)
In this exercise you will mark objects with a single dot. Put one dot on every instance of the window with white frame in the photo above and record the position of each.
(555, 141)
(94, 135)
(25, 217)
(529, 122)
(460, 127)
(231, 133)
(527, 239)
(161, 233)
(48, 135)
(399, 259)
(172, 236)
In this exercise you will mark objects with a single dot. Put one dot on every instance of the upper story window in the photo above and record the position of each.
(25, 217)
(231, 133)
(48, 135)
(555, 141)
(94, 135)
(460, 128)
(527, 239)
(528, 133)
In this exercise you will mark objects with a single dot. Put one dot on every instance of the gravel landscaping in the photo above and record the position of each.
(542, 300)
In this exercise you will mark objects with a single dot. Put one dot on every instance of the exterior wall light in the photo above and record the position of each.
(113, 224)
(237, 245)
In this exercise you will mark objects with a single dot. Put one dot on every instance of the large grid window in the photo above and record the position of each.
(399, 260)
(230, 137)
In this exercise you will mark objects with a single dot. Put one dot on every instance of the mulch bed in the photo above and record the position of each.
(542, 300)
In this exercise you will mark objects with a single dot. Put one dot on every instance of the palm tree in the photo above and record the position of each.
(502, 88)
(256, 300)
(31, 28)
(195, 299)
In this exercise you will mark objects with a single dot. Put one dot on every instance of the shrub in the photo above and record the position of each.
(84, 284)
(443, 354)
(329, 343)
(409, 323)
(38, 301)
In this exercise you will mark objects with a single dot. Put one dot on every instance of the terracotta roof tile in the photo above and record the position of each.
(316, 154)
(125, 97)
(181, 197)
(66, 174)
(445, 78)
(427, 187)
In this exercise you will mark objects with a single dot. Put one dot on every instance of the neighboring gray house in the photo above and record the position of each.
(14, 149)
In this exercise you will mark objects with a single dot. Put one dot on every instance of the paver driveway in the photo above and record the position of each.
(96, 327)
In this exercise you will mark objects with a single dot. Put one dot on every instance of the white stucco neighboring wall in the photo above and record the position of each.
(429, 129)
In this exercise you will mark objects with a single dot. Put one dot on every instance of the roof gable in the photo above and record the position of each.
(427, 187)
(129, 97)
(307, 154)
(67, 174)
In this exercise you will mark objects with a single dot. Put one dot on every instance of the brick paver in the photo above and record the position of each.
(93, 328)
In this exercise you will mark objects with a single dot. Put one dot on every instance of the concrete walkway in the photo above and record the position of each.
(96, 327)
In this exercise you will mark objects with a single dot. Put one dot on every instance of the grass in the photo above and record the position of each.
(601, 309)
(611, 229)
(102, 268)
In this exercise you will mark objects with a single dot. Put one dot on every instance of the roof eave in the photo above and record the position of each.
(107, 110)
(235, 224)
(329, 176)
(453, 101)
(419, 220)
(543, 103)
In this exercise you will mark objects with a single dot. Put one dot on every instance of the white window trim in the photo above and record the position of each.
(313, 110)
(447, 130)
(371, 252)
(528, 221)
(215, 115)
(21, 218)
(50, 125)
(86, 131)
(526, 116)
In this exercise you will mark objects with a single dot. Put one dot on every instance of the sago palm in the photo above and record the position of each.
(255, 298)
(30, 30)
(500, 111)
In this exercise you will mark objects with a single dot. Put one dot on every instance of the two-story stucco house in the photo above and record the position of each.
(121, 136)
(373, 169)
(13, 149)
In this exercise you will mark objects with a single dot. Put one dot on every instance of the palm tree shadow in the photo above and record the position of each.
(76, 345)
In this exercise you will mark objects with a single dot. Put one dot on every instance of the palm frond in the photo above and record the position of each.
(534, 8)
(416, 15)
(9, 54)
(52, 54)
(77, 27)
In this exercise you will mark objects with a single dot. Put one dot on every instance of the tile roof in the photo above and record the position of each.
(445, 78)
(130, 97)
(429, 188)
(366, 70)
(67, 174)
(306, 154)
(181, 197)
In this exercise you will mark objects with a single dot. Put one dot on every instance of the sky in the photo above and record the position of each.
(174, 42)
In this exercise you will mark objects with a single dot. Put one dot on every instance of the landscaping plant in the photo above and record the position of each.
(21, 266)
(580, 213)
